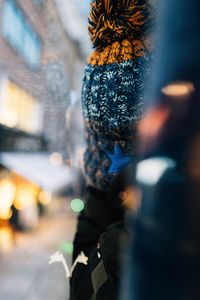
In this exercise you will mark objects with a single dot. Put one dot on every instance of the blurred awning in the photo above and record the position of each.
(37, 168)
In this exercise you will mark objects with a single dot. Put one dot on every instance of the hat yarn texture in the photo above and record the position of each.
(116, 20)
(113, 84)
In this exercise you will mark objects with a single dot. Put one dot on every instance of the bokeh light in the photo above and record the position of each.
(66, 247)
(56, 159)
(178, 89)
(77, 205)
(45, 198)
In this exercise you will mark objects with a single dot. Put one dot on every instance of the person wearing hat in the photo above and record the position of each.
(112, 100)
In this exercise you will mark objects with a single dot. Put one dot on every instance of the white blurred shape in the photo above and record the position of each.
(56, 159)
(149, 171)
(37, 168)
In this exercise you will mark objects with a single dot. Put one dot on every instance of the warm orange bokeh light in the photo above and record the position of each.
(6, 238)
(153, 121)
(45, 198)
(178, 89)
(7, 195)
(26, 196)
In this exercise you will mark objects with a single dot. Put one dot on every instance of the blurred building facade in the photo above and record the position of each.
(40, 65)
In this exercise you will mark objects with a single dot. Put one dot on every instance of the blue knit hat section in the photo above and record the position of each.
(112, 99)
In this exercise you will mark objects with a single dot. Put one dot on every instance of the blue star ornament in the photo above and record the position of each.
(119, 160)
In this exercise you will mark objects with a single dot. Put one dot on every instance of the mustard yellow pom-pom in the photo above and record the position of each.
(117, 20)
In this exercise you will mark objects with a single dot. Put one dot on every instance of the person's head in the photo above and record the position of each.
(124, 192)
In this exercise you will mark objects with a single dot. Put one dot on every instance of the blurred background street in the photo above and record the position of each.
(43, 48)
(24, 269)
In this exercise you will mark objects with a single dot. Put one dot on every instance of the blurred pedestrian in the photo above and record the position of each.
(102, 276)
(112, 99)
(106, 276)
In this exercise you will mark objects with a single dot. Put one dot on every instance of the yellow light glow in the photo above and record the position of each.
(6, 238)
(178, 89)
(7, 194)
(5, 214)
(45, 198)
(18, 108)
(26, 197)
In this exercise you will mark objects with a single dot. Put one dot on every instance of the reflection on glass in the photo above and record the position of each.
(149, 171)
(178, 89)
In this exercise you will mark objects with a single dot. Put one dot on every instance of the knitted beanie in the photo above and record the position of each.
(112, 95)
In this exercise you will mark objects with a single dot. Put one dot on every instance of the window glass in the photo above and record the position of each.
(20, 34)
(18, 109)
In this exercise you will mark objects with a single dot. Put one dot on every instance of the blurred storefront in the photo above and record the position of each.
(18, 109)
(36, 80)
(34, 70)
(18, 200)
(20, 119)
(28, 183)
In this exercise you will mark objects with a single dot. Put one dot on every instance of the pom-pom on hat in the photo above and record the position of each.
(117, 20)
